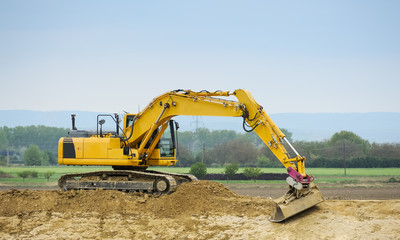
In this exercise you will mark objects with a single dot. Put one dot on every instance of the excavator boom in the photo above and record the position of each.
(148, 139)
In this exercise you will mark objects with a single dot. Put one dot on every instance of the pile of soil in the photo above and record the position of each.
(208, 198)
(195, 198)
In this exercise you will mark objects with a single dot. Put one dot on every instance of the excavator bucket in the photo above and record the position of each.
(290, 204)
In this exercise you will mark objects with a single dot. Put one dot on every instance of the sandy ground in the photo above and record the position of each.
(199, 210)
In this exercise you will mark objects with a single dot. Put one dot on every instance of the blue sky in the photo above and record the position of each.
(109, 56)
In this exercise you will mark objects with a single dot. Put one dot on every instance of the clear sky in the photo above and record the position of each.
(109, 56)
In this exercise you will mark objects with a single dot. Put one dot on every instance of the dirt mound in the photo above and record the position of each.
(201, 198)
(208, 198)
(100, 213)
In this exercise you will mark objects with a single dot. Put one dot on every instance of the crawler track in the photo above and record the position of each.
(153, 182)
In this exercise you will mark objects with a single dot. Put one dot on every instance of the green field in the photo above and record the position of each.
(323, 175)
(310, 171)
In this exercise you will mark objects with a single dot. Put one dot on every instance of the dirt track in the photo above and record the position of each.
(200, 210)
(343, 193)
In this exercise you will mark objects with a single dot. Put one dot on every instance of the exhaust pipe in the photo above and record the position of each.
(73, 121)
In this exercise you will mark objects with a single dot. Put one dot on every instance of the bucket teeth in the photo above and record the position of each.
(295, 202)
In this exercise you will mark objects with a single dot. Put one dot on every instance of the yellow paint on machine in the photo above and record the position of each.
(146, 141)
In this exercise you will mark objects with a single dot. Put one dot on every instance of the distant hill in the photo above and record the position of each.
(13, 118)
(375, 127)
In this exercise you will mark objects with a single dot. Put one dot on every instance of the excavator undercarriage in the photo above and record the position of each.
(151, 182)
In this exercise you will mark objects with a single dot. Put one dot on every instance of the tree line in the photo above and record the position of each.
(215, 148)
(344, 149)
(18, 143)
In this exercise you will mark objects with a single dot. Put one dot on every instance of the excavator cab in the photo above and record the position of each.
(167, 143)
(129, 119)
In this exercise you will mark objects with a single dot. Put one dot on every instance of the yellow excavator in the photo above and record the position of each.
(148, 138)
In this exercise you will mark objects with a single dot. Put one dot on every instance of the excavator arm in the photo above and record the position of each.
(163, 108)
